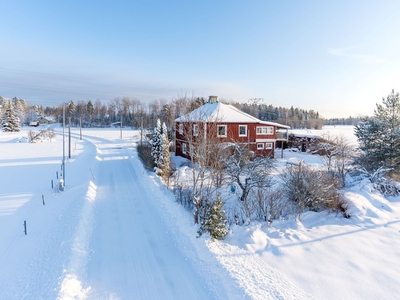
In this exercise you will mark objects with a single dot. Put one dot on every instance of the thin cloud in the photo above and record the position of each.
(363, 58)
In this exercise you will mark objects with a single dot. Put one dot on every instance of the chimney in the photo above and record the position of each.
(212, 99)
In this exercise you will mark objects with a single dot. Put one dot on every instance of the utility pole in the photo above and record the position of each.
(121, 126)
(141, 132)
(63, 161)
(80, 127)
(69, 137)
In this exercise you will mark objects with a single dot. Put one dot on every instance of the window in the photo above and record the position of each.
(180, 128)
(184, 148)
(268, 145)
(195, 130)
(221, 131)
(260, 146)
(191, 150)
(265, 130)
(242, 130)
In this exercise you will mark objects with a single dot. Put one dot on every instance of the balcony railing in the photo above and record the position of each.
(281, 136)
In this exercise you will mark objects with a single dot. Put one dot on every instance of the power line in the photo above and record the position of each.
(256, 100)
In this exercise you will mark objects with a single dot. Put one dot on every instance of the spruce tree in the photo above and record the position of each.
(214, 221)
(163, 162)
(10, 122)
(19, 107)
(156, 143)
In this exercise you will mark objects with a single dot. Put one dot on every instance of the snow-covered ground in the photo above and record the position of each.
(117, 233)
(346, 131)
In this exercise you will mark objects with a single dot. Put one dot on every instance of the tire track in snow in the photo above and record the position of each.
(71, 286)
(133, 255)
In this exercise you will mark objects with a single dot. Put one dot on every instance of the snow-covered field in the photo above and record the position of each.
(117, 233)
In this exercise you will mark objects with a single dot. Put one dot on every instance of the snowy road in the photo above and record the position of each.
(116, 232)
(133, 256)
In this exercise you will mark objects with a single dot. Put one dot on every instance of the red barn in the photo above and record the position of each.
(225, 124)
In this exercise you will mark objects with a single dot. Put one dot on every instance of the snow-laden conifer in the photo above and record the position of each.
(156, 143)
(164, 157)
(20, 107)
(379, 135)
(10, 121)
(214, 221)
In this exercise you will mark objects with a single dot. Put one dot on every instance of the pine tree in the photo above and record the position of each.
(10, 122)
(156, 143)
(379, 136)
(214, 221)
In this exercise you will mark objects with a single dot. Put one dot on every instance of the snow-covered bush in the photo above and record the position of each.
(35, 136)
(51, 134)
(311, 189)
(270, 204)
(183, 195)
(144, 153)
(382, 182)
(262, 204)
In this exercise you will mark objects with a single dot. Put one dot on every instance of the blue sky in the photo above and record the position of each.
(339, 58)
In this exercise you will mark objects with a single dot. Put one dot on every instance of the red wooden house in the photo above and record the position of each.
(226, 124)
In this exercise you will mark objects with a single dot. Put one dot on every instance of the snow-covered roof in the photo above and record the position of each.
(220, 112)
(306, 133)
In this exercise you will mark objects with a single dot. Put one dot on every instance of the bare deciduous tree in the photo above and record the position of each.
(338, 155)
(204, 150)
(248, 172)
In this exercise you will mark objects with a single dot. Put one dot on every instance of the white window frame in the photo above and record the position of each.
(184, 148)
(264, 130)
(221, 135)
(245, 130)
(260, 146)
(269, 146)
(195, 130)
(180, 128)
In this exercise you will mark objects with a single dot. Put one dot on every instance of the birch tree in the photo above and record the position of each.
(200, 134)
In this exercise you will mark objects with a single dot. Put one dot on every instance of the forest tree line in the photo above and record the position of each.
(133, 113)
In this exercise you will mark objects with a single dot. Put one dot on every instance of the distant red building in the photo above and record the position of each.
(227, 124)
